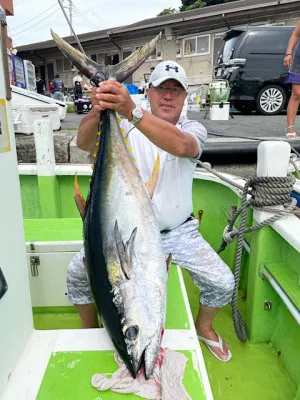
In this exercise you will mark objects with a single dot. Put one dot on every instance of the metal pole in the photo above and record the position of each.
(70, 13)
(290, 306)
(71, 28)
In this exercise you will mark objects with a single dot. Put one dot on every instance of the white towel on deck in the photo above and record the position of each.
(166, 383)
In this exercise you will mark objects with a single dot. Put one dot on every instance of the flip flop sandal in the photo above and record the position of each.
(210, 343)
(291, 135)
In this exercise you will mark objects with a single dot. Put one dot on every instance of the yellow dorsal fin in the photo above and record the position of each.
(151, 184)
(79, 200)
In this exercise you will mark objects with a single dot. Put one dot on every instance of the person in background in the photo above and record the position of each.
(51, 88)
(58, 88)
(292, 61)
(143, 86)
(77, 84)
(40, 86)
(179, 142)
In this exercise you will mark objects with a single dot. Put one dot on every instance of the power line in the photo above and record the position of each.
(22, 1)
(31, 26)
(25, 23)
(90, 10)
(83, 17)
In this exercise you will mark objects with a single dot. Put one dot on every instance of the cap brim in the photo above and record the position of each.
(159, 81)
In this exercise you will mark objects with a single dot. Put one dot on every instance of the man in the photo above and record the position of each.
(58, 88)
(179, 142)
(77, 83)
(40, 87)
(143, 86)
(77, 78)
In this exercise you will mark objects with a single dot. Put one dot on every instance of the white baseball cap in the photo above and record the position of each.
(168, 70)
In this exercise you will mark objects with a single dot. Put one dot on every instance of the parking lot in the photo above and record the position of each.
(253, 125)
(237, 128)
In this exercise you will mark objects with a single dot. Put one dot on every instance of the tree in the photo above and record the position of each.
(192, 4)
(167, 11)
(214, 2)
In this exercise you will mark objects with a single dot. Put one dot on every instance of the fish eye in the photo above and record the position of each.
(132, 332)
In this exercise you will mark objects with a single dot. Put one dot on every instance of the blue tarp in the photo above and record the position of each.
(132, 89)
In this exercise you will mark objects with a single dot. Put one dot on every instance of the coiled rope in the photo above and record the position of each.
(265, 192)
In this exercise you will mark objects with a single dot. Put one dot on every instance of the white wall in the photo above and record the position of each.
(15, 306)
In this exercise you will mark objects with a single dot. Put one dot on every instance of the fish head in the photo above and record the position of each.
(142, 324)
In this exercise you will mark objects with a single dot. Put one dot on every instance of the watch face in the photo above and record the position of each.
(137, 112)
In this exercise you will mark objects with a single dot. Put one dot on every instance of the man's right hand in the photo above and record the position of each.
(95, 101)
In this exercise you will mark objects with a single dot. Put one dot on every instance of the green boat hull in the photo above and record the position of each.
(267, 366)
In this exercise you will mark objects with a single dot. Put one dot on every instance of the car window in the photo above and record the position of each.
(226, 52)
(265, 42)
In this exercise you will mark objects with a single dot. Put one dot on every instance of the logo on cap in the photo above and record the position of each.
(168, 67)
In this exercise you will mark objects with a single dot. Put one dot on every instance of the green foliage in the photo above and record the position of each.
(167, 11)
(214, 2)
(192, 4)
(70, 108)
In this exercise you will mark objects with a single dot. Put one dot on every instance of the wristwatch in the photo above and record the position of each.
(137, 115)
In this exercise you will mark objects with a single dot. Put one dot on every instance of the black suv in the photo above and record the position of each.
(251, 59)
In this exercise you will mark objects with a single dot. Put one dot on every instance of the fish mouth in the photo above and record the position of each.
(137, 364)
(119, 72)
(146, 361)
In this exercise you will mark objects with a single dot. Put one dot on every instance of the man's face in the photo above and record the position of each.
(166, 100)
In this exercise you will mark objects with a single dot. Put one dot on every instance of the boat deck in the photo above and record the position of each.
(59, 363)
(255, 371)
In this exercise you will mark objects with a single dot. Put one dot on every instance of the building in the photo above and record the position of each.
(8, 7)
(192, 38)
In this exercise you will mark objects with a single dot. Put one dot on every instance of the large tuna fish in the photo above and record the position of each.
(123, 250)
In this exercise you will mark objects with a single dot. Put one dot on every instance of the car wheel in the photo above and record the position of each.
(271, 100)
(244, 108)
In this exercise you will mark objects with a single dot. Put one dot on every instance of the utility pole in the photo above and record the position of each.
(69, 21)
(70, 14)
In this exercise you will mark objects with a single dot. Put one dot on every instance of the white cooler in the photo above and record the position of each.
(25, 115)
(219, 111)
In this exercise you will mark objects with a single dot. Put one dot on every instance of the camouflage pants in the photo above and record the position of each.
(189, 250)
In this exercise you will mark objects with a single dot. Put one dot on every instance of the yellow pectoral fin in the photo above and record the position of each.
(151, 184)
(79, 200)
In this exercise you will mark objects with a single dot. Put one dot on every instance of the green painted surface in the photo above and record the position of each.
(255, 370)
(30, 196)
(286, 341)
(68, 377)
(216, 210)
(288, 279)
(49, 196)
(267, 367)
(53, 230)
(66, 188)
(49, 318)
